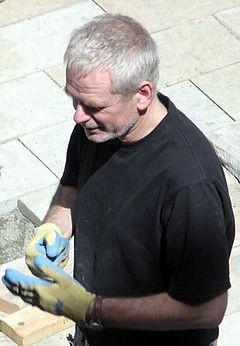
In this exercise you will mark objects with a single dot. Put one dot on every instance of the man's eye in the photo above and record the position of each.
(87, 109)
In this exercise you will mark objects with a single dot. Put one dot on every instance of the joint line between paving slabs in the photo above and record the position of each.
(179, 25)
(212, 100)
(232, 7)
(95, 2)
(38, 158)
(187, 79)
(49, 76)
(26, 133)
(225, 25)
(33, 16)
(20, 76)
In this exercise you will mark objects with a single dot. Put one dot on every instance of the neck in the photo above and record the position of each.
(146, 122)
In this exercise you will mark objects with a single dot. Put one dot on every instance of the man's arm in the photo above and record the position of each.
(66, 296)
(61, 210)
(161, 312)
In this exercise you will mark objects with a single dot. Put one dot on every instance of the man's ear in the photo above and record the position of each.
(145, 95)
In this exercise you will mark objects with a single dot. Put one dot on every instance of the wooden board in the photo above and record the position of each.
(23, 323)
(31, 324)
(8, 307)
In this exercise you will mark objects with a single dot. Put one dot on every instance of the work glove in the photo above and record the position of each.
(48, 242)
(59, 294)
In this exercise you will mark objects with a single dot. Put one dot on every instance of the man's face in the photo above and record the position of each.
(102, 114)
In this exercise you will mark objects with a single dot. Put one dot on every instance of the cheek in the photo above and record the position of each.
(107, 119)
(115, 119)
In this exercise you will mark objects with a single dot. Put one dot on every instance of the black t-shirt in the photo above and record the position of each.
(151, 216)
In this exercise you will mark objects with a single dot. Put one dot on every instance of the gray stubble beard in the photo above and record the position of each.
(106, 136)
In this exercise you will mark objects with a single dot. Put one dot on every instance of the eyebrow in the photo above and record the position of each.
(91, 104)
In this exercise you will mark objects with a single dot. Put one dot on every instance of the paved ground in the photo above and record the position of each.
(15, 233)
(199, 48)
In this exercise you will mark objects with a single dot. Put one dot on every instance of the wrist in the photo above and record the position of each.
(93, 317)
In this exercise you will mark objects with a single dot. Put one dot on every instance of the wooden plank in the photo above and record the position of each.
(31, 324)
(8, 307)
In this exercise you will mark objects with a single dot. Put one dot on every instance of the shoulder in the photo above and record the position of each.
(204, 202)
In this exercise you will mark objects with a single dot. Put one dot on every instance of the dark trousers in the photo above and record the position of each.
(80, 339)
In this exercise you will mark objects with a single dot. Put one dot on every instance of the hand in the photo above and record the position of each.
(48, 242)
(59, 294)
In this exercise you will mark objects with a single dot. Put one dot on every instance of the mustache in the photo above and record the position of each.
(90, 125)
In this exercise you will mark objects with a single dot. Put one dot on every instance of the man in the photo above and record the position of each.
(146, 199)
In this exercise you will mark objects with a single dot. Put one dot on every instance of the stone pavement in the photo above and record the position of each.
(199, 48)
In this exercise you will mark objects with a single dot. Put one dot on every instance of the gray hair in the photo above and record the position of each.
(117, 44)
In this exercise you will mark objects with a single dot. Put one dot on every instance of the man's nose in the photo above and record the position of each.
(80, 116)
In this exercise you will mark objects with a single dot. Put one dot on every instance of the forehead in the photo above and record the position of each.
(95, 85)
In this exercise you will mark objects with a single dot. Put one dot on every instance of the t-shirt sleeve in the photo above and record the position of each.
(197, 245)
(72, 165)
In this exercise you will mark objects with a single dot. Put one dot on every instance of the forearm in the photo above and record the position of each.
(61, 210)
(161, 312)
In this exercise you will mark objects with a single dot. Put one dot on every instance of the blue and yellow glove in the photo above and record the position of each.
(59, 294)
(48, 242)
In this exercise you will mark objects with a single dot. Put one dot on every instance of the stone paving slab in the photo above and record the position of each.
(50, 144)
(41, 41)
(229, 334)
(234, 291)
(35, 205)
(197, 106)
(12, 11)
(58, 74)
(234, 191)
(157, 15)
(58, 339)
(21, 173)
(230, 18)
(192, 49)
(223, 86)
(31, 103)
(227, 145)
